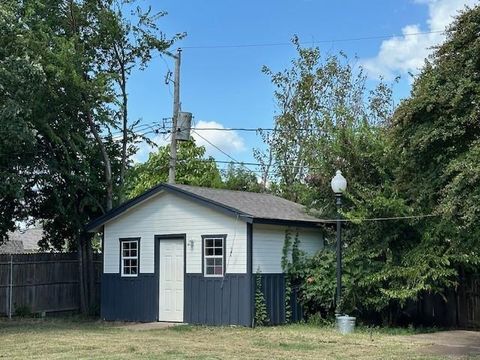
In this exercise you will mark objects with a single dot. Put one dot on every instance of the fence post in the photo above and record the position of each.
(10, 293)
(34, 288)
(7, 295)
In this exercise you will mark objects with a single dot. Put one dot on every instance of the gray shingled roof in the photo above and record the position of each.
(257, 205)
(25, 241)
(12, 247)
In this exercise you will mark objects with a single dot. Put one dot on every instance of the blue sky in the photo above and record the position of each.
(225, 86)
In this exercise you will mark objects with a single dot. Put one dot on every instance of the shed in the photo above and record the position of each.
(181, 253)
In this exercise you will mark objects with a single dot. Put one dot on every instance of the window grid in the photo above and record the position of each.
(129, 253)
(213, 253)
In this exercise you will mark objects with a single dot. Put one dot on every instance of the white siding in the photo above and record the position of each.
(169, 214)
(268, 243)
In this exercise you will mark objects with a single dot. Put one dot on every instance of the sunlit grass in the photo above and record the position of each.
(67, 339)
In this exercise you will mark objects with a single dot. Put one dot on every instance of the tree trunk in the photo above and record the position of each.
(81, 280)
(91, 272)
(123, 166)
(122, 82)
(106, 161)
(85, 276)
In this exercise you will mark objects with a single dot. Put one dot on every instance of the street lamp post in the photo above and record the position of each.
(339, 185)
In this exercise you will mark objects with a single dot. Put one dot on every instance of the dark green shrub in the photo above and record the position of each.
(23, 311)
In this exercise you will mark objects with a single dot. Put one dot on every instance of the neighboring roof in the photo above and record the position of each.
(22, 241)
(11, 247)
(253, 207)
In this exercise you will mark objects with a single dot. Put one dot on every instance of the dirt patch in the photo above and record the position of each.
(450, 343)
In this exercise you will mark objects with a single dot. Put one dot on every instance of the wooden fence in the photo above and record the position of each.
(41, 282)
(458, 308)
(48, 282)
(469, 309)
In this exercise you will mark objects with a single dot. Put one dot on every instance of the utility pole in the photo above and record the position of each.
(176, 109)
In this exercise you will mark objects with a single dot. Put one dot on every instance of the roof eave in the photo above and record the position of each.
(95, 225)
(289, 222)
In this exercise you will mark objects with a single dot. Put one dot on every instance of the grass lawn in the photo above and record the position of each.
(73, 339)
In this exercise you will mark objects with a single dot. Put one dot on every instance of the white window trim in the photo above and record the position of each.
(205, 257)
(122, 242)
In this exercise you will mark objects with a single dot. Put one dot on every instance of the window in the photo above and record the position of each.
(213, 251)
(129, 257)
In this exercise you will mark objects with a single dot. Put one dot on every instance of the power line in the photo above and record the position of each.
(394, 218)
(167, 83)
(228, 163)
(138, 127)
(259, 129)
(244, 163)
(259, 164)
(255, 45)
(381, 218)
(243, 129)
(223, 152)
(216, 147)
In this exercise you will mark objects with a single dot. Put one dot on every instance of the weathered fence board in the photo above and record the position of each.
(42, 282)
(458, 307)
(469, 302)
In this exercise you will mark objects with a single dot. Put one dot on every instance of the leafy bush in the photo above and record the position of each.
(317, 288)
(23, 311)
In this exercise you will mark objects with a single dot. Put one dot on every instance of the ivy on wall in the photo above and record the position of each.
(292, 260)
(261, 314)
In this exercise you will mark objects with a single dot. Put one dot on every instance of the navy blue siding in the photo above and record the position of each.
(273, 288)
(295, 306)
(218, 301)
(129, 298)
(209, 301)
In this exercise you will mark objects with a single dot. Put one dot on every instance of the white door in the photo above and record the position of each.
(171, 280)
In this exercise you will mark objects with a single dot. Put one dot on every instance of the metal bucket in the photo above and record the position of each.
(345, 324)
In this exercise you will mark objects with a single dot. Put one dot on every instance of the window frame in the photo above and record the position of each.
(122, 258)
(223, 237)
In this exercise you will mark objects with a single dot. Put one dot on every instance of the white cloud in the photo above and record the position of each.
(402, 54)
(229, 141)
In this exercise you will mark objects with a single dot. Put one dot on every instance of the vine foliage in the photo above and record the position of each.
(261, 314)
(292, 266)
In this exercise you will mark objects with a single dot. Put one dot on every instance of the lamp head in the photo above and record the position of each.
(339, 183)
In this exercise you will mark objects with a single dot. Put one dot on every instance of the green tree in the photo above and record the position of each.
(328, 120)
(52, 165)
(193, 168)
(59, 159)
(438, 132)
(237, 177)
(125, 44)
(21, 79)
(323, 106)
(423, 160)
